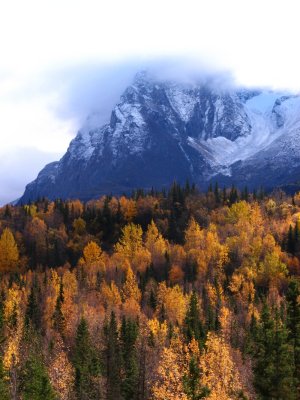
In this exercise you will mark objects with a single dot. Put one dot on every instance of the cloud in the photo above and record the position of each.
(96, 87)
(19, 166)
(62, 60)
(41, 113)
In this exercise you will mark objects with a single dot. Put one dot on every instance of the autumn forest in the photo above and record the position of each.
(161, 295)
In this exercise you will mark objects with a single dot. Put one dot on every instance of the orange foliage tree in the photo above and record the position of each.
(9, 254)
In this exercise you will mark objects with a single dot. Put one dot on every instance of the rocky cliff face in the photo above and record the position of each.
(162, 131)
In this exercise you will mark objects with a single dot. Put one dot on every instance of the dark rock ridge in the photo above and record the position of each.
(162, 131)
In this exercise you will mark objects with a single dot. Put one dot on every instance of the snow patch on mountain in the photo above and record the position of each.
(260, 109)
(182, 100)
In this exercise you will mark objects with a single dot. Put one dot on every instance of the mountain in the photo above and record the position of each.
(161, 131)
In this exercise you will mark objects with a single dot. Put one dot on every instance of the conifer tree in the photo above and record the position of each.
(291, 241)
(152, 300)
(35, 381)
(245, 194)
(173, 233)
(113, 359)
(83, 359)
(297, 236)
(254, 194)
(7, 212)
(233, 195)
(129, 385)
(261, 193)
(274, 364)
(4, 390)
(224, 196)
(217, 194)
(187, 189)
(191, 381)
(58, 317)
(192, 324)
(33, 312)
(293, 324)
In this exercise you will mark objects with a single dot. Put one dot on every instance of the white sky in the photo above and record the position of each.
(257, 41)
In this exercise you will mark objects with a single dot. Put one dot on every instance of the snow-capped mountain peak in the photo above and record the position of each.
(164, 130)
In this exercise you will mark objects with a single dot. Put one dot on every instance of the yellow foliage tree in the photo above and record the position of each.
(13, 315)
(141, 260)
(271, 269)
(131, 308)
(69, 307)
(128, 208)
(158, 331)
(219, 373)
(61, 372)
(110, 295)
(169, 382)
(52, 292)
(130, 242)
(238, 211)
(92, 254)
(194, 236)
(130, 287)
(155, 244)
(173, 301)
(92, 262)
(9, 254)
(242, 286)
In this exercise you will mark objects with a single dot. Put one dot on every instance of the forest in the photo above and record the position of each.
(162, 295)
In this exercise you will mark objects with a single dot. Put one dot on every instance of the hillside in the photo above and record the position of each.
(172, 294)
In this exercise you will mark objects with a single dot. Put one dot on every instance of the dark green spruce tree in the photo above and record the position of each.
(291, 241)
(274, 362)
(33, 314)
(293, 324)
(35, 380)
(58, 317)
(193, 327)
(112, 356)
(217, 193)
(130, 370)
(297, 237)
(191, 381)
(84, 363)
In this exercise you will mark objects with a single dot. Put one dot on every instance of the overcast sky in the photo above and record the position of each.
(59, 60)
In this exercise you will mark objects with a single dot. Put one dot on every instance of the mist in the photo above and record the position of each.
(90, 88)
(18, 168)
(49, 108)
(42, 113)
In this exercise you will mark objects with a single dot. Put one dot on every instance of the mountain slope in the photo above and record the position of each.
(162, 131)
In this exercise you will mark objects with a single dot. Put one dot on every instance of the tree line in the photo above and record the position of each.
(162, 295)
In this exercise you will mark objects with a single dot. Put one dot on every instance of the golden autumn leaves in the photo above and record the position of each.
(240, 237)
(9, 254)
(218, 372)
